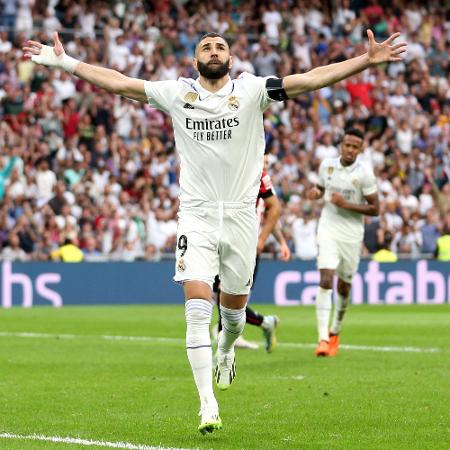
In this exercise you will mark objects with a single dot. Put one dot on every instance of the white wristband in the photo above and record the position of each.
(68, 63)
(47, 57)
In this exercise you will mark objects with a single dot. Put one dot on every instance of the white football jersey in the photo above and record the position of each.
(353, 183)
(219, 136)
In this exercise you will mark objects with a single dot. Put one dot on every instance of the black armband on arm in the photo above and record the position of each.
(275, 89)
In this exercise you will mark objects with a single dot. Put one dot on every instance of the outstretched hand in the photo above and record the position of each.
(40, 53)
(385, 51)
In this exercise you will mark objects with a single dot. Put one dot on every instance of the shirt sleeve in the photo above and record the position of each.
(369, 183)
(256, 86)
(161, 94)
(321, 178)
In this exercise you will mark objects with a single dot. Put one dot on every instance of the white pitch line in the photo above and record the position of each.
(292, 377)
(370, 348)
(39, 335)
(392, 349)
(143, 338)
(78, 441)
(178, 341)
(89, 336)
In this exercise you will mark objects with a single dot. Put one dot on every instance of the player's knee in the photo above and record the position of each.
(198, 318)
(326, 282)
(326, 278)
(343, 288)
(198, 312)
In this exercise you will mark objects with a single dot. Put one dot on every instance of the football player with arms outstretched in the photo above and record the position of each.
(219, 135)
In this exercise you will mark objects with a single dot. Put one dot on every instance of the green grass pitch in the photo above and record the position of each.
(69, 380)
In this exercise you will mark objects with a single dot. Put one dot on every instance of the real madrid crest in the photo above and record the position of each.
(181, 266)
(355, 182)
(330, 170)
(190, 97)
(233, 103)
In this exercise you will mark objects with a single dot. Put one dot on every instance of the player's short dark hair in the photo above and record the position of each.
(212, 34)
(354, 132)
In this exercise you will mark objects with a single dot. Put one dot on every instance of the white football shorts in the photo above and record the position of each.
(343, 257)
(217, 238)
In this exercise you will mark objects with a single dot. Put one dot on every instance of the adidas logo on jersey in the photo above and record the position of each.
(188, 106)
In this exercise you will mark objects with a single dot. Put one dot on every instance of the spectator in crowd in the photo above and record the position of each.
(5, 172)
(430, 231)
(68, 252)
(443, 246)
(12, 251)
(304, 230)
(385, 254)
(91, 252)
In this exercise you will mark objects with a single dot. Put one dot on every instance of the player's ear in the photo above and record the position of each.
(230, 64)
(194, 64)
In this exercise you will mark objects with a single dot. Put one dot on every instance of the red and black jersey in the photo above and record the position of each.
(266, 186)
(265, 191)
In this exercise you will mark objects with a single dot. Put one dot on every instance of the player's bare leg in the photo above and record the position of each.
(198, 310)
(323, 310)
(340, 307)
(232, 311)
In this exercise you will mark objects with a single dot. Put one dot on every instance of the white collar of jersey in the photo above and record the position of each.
(347, 168)
(204, 93)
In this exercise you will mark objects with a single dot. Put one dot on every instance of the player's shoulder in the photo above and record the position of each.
(187, 84)
(363, 167)
(249, 80)
(152, 87)
(246, 76)
(186, 81)
(181, 83)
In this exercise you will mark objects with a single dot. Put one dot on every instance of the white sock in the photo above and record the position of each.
(323, 310)
(266, 323)
(233, 321)
(340, 307)
(198, 347)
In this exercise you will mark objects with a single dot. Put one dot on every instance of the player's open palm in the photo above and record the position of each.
(44, 54)
(386, 51)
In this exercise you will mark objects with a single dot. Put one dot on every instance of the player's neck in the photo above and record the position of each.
(346, 163)
(213, 85)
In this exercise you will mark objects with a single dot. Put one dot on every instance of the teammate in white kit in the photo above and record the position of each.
(219, 134)
(349, 189)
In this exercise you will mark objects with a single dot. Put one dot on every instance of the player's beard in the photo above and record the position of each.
(348, 160)
(213, 71)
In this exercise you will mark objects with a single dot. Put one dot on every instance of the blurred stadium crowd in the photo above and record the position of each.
(80, 165)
